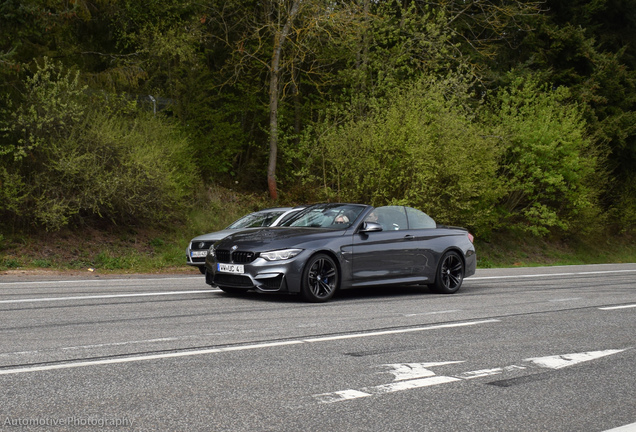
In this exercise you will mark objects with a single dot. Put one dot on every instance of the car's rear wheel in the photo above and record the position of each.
(233, 291)
(450, 274)
(320, 279)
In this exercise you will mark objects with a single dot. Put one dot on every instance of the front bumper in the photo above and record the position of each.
(197, 251)
(260, 275)
(195, 261)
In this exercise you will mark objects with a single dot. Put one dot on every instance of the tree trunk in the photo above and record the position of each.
(274, 95)
(273, 133)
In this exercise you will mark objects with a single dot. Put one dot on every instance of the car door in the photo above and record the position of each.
(425, 243)
(384, 256)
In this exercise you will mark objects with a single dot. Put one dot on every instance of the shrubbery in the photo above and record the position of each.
(522, 161)
(421, 148)
(67, 158)
(550, 169)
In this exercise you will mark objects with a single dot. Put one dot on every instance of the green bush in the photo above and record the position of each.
(51, 106)
(125, 170)
(622, 215)
(112, 163)
(422, 149)
(550, 169)
(10, 263)
(42, 263)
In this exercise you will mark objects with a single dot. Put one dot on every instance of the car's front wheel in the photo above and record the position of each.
(320, 279)
(450, 274)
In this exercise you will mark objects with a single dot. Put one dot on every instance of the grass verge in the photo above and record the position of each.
(510, 250)
(162, 250)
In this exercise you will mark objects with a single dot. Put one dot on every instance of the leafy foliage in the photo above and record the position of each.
(50, 109)
(374, 101)
(550, 168)
(64, 162)
(419, 149)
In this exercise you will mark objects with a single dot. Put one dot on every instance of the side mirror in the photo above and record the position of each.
(371, 227)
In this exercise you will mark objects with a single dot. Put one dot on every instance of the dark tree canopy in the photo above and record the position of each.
(260, 95)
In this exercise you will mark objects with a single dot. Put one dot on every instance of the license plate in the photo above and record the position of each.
(230, 268)
(198, 254)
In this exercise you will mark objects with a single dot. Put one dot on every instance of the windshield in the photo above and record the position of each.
(258, 219)
(333, 216)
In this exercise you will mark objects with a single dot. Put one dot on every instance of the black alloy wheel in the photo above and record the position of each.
(320, 279)
(450, 274)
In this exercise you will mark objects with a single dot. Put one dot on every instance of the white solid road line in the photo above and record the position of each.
(407, 330)
(626, 428)
(106, 296)
(542, 275)
(72, 281)
(229, 349)
(618, 307)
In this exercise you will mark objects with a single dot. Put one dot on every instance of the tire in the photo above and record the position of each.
(450, 274)
(321, 279)
(202, 269)
(232, 291)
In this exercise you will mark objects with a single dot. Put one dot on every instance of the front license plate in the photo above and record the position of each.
(230, 268)
(198, 254)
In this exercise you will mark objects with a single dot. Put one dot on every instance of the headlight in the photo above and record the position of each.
(282, 254)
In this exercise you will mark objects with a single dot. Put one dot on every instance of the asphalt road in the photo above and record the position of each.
(541, 349)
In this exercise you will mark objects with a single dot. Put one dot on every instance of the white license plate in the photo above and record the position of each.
(198, 254)
(230, 268)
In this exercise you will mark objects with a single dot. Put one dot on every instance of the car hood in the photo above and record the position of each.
(218, 235)
(276, 238)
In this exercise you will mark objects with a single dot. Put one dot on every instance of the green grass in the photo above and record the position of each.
(10, 263)
(124, 249)
(156, 250)
(508, 250)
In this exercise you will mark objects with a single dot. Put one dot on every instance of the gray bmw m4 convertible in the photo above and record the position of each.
(328, 247)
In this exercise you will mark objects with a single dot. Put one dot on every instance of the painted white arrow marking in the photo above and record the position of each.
(410, 384)
(341, 395)
(565, 360)
(409, 376)
(407, 371)
(488, 372)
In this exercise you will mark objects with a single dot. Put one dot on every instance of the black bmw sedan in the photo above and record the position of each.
(328, 247)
